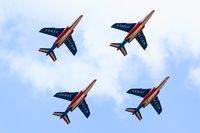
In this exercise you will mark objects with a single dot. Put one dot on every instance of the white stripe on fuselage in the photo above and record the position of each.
(148, 100)
(143, 22)
(133, 35)
(63, 38)
(77, 102)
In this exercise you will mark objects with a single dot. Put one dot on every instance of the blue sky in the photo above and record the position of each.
(29, 79)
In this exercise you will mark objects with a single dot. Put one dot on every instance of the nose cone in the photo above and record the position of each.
(94, 80)
(147, 17)
(76, 22)
(90, 86)
(167, 78)
(81, 16)
(163, 83)
(152, 11)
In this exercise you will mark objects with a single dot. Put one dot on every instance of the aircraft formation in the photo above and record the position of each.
(134, 30)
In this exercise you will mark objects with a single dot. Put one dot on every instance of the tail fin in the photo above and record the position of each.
(134, 111)
(62, 115)
(48, 52)
(122, 49)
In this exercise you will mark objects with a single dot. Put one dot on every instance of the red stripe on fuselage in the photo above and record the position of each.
(62, 34)
(138, 25)
(81, 95)
(134, 29)
(75, 100)
(148, 96)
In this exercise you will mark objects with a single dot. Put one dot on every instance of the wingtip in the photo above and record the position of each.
(55, 95)
(112, 25)
(128, 91)
(167, 77)
(41, 30)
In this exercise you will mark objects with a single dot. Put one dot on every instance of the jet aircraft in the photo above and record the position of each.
(149, 96)
(77, 100)
(134, 31)
(64, 35)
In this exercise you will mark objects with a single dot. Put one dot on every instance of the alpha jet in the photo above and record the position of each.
(149, 96)
(134, 31)
(64, 35)
(77, 100)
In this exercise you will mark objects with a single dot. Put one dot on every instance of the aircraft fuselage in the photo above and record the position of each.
(153, 93)
(66, 33)
(80, 97)
(138, 28)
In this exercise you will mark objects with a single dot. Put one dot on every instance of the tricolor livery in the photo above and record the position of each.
(149, 96)
(134, 31)
(77, 100)
(64, 35)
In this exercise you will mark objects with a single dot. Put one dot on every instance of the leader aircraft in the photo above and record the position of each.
(77, 100)
(149, 96)
(134, 31)
(64, 35)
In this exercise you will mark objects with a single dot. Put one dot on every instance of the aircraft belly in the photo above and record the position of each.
(63, 38)
(151, 97)
(135, 33)
(77, 102)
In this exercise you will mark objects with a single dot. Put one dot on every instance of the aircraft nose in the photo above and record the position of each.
(152, 12)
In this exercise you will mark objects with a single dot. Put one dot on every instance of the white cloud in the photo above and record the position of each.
(194, 76)
(170, 32)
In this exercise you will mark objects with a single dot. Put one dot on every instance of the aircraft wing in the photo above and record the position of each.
(156, 105)
(52, 31)
(66, 95)
(71, 45)
(84, 108)
(139, 92)
(141, 40)
(123, 26)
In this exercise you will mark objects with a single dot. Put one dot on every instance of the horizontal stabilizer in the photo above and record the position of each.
(48, 52)
(134, 111)
(115, 45)
(58, 113)
(44, 50)
(138, 115)
(65, 117)
(122, 49)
